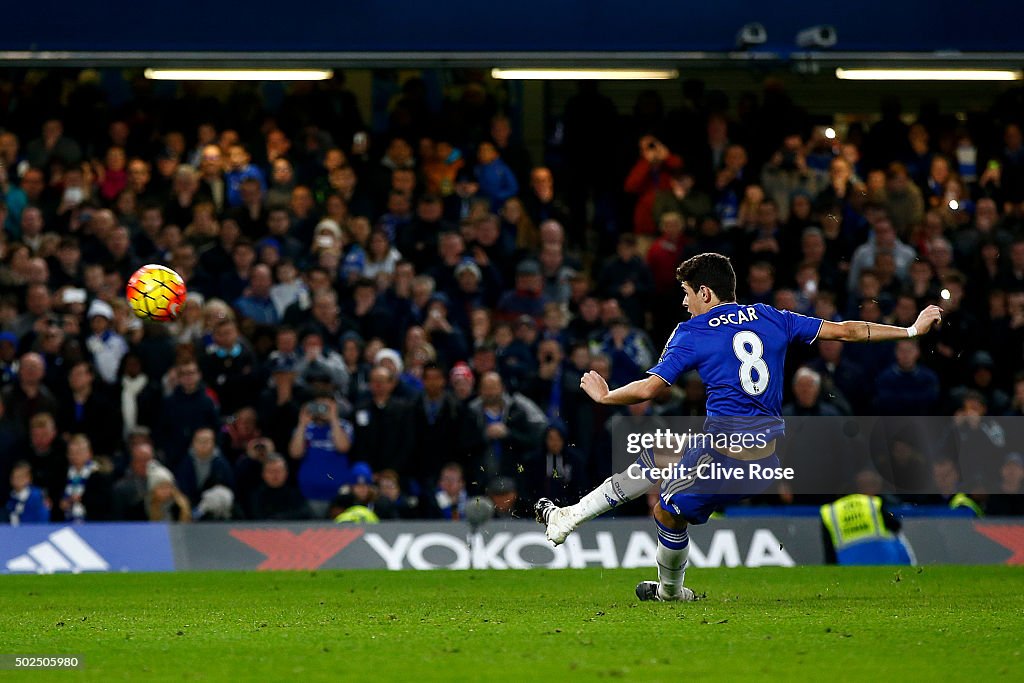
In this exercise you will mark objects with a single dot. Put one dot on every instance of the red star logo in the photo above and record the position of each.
(1010, 536)
(307, 550)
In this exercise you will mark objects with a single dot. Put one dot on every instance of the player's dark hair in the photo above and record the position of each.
(710, 270)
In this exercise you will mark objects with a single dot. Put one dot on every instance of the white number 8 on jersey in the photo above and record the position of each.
(750, 362)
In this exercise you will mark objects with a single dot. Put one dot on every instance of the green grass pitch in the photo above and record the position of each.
(827, 623)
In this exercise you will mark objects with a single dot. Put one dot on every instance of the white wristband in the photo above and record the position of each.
(911, 331)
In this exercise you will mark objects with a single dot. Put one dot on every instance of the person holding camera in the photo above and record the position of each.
(787, 172)
(652, 172)
(320, 445)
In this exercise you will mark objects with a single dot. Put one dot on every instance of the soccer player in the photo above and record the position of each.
(740, 353)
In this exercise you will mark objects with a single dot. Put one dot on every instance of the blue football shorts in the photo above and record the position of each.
(710, 480)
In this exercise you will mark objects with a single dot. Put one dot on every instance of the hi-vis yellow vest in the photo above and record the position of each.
(358, 514)
(854, 519)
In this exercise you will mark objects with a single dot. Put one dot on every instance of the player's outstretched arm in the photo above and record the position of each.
(634, 392)
(860, 331)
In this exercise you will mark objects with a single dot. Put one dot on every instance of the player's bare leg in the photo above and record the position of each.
(615, 490)
(673, 551)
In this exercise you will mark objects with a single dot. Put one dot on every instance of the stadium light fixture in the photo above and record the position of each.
(238, 74)
(584, 74)
(928, 74)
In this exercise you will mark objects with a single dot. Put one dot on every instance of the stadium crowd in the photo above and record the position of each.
(384, 321)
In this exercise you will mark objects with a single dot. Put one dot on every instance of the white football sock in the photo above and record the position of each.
(673, 551)
(615, 490)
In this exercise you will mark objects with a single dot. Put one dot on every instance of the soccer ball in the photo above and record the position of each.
(155, 293)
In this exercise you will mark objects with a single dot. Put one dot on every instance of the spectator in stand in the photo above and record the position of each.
(981, 380)
(249, 467)
(392, 503)
(514, 359)
(85, 409)
(46, 452)
(509, 426)
(514, 154)
(491, 247)
(235, 280)
(396, 219)
(238, 431)
(203, 467)
(32, 228)
(627, 278)
(383, 435)
(27, 504)
(528, 297)
(276, 499)
(398, 154)
(256, 304)
(651, 173)
(129, 493)
(497, 181)
(1010, 171)
(187, 409)
(458, 206)
(369, 315)
(28, 395)
(164, 501)
(903, 199)
(229, 367)
(730, 184)
(86, 491)
(541, 202)
(547, 386)
(628, 349)
(843, 380)
(441, 427)
(807, 399)
(463, 382)
(105, 345)
(239, 170)
(760, 283)
(381, 258)
(504, 495)
(682, 198)
(282, 182)
(556, 273)
(450, 498)
(8, 359)
(140, 176)
(787, 173)
(442, 167)
(251, 214)
(1008, 498)
(883, 238)
(558, 471)
(841, 188)
(906, 388)
(53, 145)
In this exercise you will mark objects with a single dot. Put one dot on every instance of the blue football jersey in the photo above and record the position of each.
(740, 352)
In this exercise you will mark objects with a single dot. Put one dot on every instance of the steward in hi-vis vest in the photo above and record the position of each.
(859, 531)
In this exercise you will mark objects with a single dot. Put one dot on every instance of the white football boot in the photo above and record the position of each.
(648, 591)
(557, 521)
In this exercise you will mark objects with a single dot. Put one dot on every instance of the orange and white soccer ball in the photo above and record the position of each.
(156, 293)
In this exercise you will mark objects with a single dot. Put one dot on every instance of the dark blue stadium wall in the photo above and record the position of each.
(523, 26)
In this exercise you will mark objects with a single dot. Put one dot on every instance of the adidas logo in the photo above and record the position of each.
(63, 551)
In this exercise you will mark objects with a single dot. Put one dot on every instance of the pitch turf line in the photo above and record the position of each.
(769, 623)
